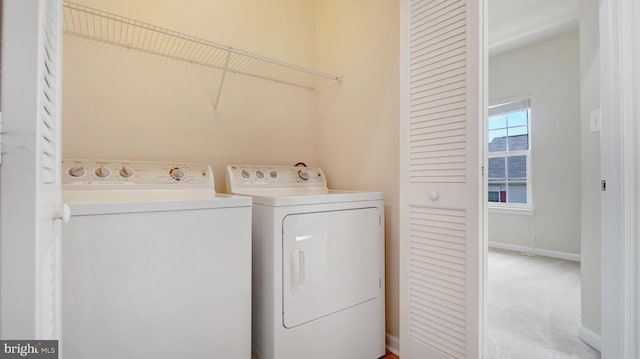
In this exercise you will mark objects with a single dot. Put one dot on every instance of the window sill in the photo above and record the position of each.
(512, 210)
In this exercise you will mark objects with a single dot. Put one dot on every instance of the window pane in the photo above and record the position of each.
(498, 192)
(519, 142)
(496, 122)
(496, 168)
(518, 130)
(497, 140)
(508, 131)
(517, 192)
(516, 167)
(517, 118)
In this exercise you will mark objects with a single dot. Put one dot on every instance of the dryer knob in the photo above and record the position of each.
(303, 175)
(77, 171)
(126, 172)
(273, 174)
(259, 174)
(245, 174)
(102, 172)
(178, 173)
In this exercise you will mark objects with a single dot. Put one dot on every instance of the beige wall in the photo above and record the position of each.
(358, 122)
(549, 71)
(590, 99)
(119, 103)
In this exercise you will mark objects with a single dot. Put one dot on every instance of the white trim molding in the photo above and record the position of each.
(521, 211)
(620, 88)
(544, 31)
(591, 338)
(539, 252)
(393, 344)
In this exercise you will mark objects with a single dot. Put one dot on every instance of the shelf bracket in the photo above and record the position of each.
(224, 74)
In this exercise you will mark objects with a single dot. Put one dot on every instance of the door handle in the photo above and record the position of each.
(63, 213)
(297, 269)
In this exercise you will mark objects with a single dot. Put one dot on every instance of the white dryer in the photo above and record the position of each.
(318, 265)
(154, 263)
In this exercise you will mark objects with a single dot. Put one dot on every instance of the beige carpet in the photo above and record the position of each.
(534, 308)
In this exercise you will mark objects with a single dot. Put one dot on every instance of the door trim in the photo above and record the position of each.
(620, 50)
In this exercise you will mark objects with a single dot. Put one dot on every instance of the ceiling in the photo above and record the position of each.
(516, 23)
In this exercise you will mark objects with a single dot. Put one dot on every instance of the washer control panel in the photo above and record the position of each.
(79, 174)
(246, 176)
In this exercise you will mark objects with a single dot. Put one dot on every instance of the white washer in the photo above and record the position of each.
(154, 263)
(318, 265)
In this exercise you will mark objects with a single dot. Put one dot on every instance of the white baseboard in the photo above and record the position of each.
(393, 344)
(589, 337)
(540, 252)
(586, 335)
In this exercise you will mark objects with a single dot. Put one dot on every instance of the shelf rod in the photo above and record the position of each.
(287, 65)
(224, 74)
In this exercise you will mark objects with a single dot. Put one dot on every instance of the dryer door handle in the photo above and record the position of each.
(297, 269)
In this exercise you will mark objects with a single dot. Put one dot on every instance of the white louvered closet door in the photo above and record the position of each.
(441, 159)
(30, 196)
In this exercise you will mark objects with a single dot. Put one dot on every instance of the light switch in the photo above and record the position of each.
(594, 122)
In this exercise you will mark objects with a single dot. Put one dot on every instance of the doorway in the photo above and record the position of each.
(536, 142)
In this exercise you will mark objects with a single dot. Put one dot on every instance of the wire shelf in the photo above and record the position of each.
(90, 23)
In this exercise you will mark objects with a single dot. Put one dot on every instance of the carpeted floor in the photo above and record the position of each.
(534, 308)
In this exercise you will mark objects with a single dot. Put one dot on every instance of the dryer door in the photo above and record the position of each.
(331, 261)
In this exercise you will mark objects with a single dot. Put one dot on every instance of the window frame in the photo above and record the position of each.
(504, 107)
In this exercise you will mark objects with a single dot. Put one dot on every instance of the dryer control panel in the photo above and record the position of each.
(247, 176)
(110, 174)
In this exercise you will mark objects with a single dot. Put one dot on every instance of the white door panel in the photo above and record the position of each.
(330, 262)
(30, 180)
(440, 181)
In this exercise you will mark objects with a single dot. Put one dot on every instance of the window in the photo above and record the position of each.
(509, 155)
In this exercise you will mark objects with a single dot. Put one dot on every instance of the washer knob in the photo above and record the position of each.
(178, 173)
(102, 172)
(77, 171)
(273, 174)
(126, 172)
(245, 174)
(303, 175)
(259, 174)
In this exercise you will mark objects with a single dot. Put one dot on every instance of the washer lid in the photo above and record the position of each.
(87, 202)
(296, 197)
